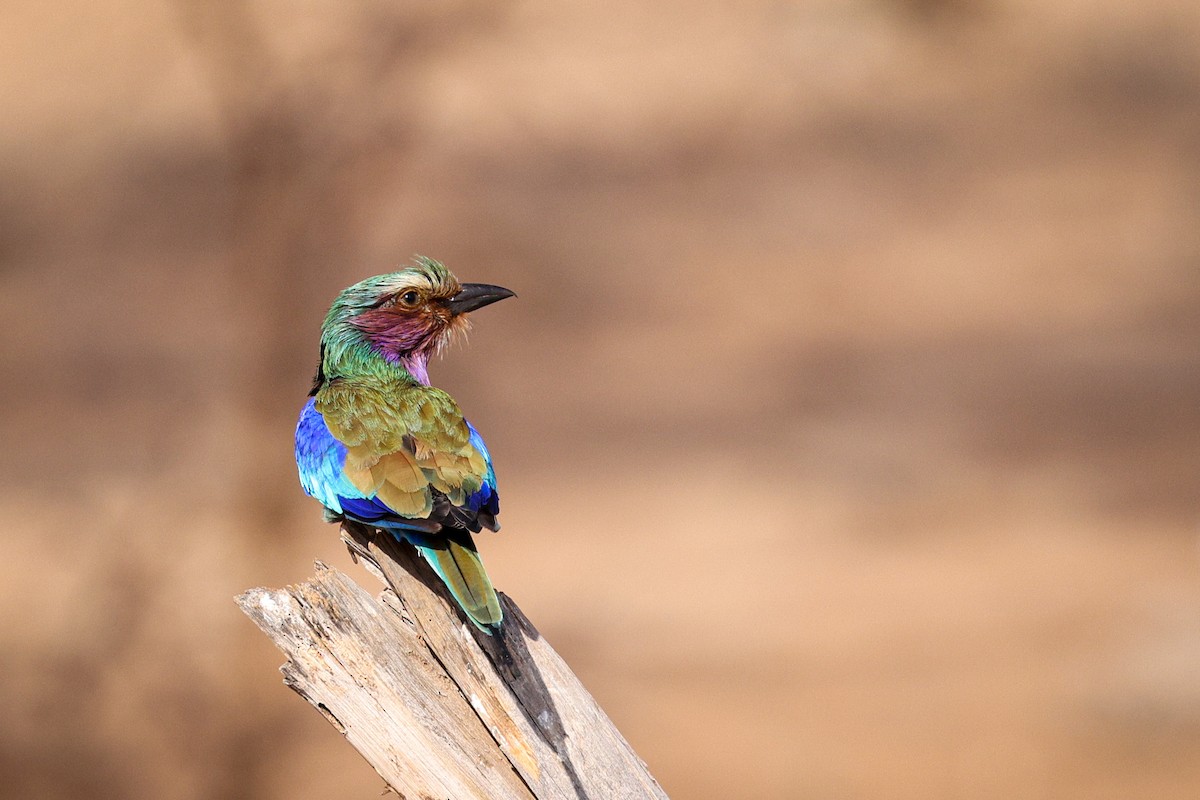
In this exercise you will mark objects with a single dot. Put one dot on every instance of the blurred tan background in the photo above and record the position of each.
(847, 425)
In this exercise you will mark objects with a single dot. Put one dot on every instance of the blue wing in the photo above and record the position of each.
(486, 499)
(320, 458)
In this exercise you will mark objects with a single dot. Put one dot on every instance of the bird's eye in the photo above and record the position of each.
(410, 298)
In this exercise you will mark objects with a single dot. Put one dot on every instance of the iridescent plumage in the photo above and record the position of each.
(378, 445)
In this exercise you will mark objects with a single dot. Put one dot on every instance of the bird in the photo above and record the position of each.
(377, 445)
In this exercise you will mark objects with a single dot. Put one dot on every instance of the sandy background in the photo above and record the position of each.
(848, 422)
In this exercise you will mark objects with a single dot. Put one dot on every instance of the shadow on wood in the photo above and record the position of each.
(439, 708)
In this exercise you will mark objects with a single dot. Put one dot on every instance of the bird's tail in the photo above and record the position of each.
(454, 557)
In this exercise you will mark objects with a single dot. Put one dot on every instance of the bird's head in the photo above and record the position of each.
(408, 315)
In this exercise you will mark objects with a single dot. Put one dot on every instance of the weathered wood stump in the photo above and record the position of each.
(438, 708)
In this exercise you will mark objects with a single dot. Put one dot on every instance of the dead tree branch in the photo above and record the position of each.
(439, 709)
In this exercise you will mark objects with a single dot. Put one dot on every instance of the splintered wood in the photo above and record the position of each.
(439, 709)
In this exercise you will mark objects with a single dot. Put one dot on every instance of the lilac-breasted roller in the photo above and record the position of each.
(378, 445)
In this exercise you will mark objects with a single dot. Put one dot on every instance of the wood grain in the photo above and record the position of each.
(438, 708)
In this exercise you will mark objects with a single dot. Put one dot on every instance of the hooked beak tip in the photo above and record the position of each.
(473, 296)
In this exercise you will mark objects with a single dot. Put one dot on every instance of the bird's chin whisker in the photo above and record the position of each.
(456, 333)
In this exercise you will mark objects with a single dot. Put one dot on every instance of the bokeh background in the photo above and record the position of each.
(848, 421)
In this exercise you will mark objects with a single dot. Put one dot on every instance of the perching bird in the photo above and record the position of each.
(378, 445)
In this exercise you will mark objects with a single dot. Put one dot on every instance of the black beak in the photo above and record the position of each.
(477, 295)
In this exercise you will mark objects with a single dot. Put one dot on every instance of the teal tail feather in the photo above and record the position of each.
(456, 561)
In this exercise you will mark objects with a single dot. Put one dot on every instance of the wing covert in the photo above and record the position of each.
(410, 451)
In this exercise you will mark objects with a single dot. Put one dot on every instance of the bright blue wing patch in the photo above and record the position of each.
(487, 498)
(319, 459)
